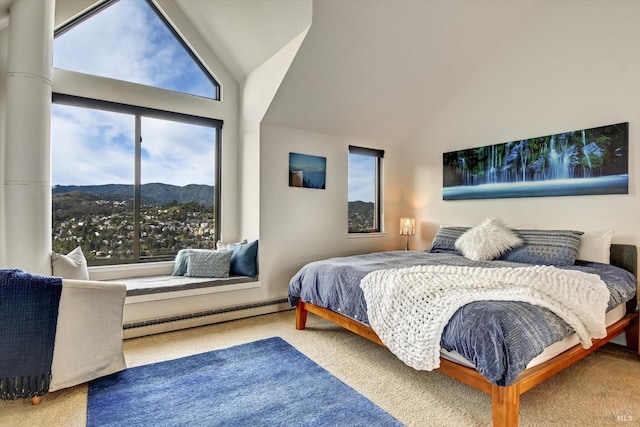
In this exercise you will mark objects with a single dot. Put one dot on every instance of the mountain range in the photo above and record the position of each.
(151, 193)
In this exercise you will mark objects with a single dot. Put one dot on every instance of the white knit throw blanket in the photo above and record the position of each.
(408, 308)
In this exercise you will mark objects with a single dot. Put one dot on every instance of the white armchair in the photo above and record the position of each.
(88, 341)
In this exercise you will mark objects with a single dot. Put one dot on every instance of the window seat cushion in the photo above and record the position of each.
(167, 283)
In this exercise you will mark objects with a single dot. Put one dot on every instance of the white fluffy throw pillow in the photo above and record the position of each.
(488, 240)
(70, 266)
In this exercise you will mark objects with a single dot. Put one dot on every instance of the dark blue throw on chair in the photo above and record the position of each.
(28, 319)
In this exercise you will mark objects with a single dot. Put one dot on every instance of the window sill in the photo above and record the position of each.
(365, 235)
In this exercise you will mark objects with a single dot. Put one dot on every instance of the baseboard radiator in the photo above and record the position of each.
(183, 321)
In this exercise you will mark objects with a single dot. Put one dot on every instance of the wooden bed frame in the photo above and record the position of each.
(505, 400)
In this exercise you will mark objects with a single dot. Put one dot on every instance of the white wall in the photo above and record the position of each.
(300, 225)
(575, 65)
(257, 92)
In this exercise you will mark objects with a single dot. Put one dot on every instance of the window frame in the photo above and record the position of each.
(137, 113)
(378, 211)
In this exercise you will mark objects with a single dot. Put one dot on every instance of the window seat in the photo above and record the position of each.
(162, 303)
(147, 285)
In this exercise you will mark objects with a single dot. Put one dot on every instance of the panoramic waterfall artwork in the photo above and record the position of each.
(582, 162)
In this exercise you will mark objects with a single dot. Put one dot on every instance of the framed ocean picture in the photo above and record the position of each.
(581, 162)
(307, 171)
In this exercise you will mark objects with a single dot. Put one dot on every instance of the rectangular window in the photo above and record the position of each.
(134, 184)
(365, 190)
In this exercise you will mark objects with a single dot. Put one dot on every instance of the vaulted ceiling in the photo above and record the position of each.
(380, 69)
(375, 69)
(245, 33)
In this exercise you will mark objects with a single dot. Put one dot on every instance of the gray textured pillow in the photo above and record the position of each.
(445, 239)
(487, 241)
(214, 264)
(70, 266)
(546, 247)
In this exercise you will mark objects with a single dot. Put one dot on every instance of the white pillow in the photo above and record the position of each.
(595, 246)
(488, 240)
(224, 245)
(70, 266)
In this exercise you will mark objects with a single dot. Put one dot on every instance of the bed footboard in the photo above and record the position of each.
(352, 325)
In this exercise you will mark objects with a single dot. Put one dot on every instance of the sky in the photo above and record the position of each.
(99, 144)
(307, 162)
(127, 41)
(361, 178)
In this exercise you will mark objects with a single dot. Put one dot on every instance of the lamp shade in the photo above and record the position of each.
(407, 226)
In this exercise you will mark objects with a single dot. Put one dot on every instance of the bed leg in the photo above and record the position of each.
(301, 316)
(35, 400)
(631, 334)
(505, 405)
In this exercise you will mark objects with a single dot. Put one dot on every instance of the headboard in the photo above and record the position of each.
(626, 256)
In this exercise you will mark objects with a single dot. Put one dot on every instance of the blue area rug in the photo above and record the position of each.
(263, 383)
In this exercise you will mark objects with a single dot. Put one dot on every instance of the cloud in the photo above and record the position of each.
(93, 147)
(90, 147)
(127, 41)
(178, 153)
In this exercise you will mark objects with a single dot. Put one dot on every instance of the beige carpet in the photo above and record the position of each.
(603, 389)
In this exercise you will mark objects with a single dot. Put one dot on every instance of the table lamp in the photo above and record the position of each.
(407, 228)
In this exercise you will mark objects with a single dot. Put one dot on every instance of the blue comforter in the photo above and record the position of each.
(499, 337)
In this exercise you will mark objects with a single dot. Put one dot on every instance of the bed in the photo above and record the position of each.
(331, 289)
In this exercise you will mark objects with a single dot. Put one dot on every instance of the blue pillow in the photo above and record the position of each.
(181, 261)
(244, 261)
(546, 247)
(445, 240)
(209, 263)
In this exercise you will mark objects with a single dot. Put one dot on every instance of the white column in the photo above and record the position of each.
(27, 176)
(4, 43)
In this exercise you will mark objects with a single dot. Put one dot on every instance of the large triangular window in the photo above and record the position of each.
(131, 40)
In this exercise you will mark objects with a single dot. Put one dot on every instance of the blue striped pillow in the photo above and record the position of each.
(546, 247)
(445, 240)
